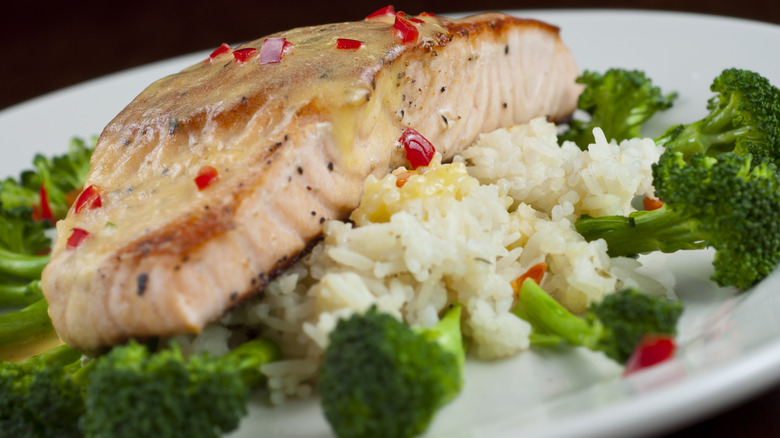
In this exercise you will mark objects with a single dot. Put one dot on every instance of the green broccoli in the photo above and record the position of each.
(743, 118)
(29, 206)
(39, 397)
(22, 241)
(26, 332)
(382, 378)
(164, 394)
(615, 326)
(130, 392)
(619, 102)
(727, 203)
(60, 176)
(15, 294)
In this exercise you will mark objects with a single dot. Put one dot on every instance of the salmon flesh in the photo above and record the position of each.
(289, 140)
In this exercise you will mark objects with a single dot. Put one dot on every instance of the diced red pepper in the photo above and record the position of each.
(405, 30)
(206, 176)
(76, 238)
(427, 14)
(43, 213)
(224, 48)
(89, 198)
(652, 349)
(348, 44)
(387, 11)
(273, 49)
(419, 151)
(535, 273)
(416, 20)
(242, 55)
(402, 177)
(652, 203)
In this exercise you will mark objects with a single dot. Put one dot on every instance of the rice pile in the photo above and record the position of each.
(458, 232)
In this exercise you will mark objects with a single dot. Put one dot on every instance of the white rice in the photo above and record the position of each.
(458, 232)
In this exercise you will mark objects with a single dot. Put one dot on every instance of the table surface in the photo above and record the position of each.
(59, 45)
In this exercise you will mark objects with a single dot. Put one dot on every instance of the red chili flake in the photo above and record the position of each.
(416, 20)
(273, 49)
(348, 44)
(387, 11)
(242, 55)
(652, 203)
(89, 198)
(402, 177)
(427, 14)
(405, 30)
(224, 48)
(419, 151)
(206, 176)
(535, 273)
(652, 349)
(43, 213)
(76, 238)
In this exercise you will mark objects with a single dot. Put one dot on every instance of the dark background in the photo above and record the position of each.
(46, 45)
(49, 46)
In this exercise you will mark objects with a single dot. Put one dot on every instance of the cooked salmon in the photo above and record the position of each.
(215, 179)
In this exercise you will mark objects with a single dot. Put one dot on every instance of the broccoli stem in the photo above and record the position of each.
(552, 323)
(59, 355)
(690, 139)
(447, 333)
(24, 266)
(14, 295)
(26, 332)
(643, 232)
(250, 356)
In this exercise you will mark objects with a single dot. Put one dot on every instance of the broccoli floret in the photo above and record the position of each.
(382, 378)
(614, 326)
(61, 176)
(743, 118)
(38, 397)
(128, 392)
(725, 203)
(132, 392)
(619, 102)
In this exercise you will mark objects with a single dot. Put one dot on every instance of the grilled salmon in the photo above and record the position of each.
(215, 179)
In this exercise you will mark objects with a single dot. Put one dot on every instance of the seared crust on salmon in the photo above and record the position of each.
(292, 143)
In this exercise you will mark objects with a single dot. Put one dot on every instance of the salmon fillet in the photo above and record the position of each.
(292, 143)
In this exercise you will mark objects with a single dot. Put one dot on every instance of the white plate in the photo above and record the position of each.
(730, 344)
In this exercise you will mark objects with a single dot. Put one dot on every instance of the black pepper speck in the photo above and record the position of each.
(143, 280)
